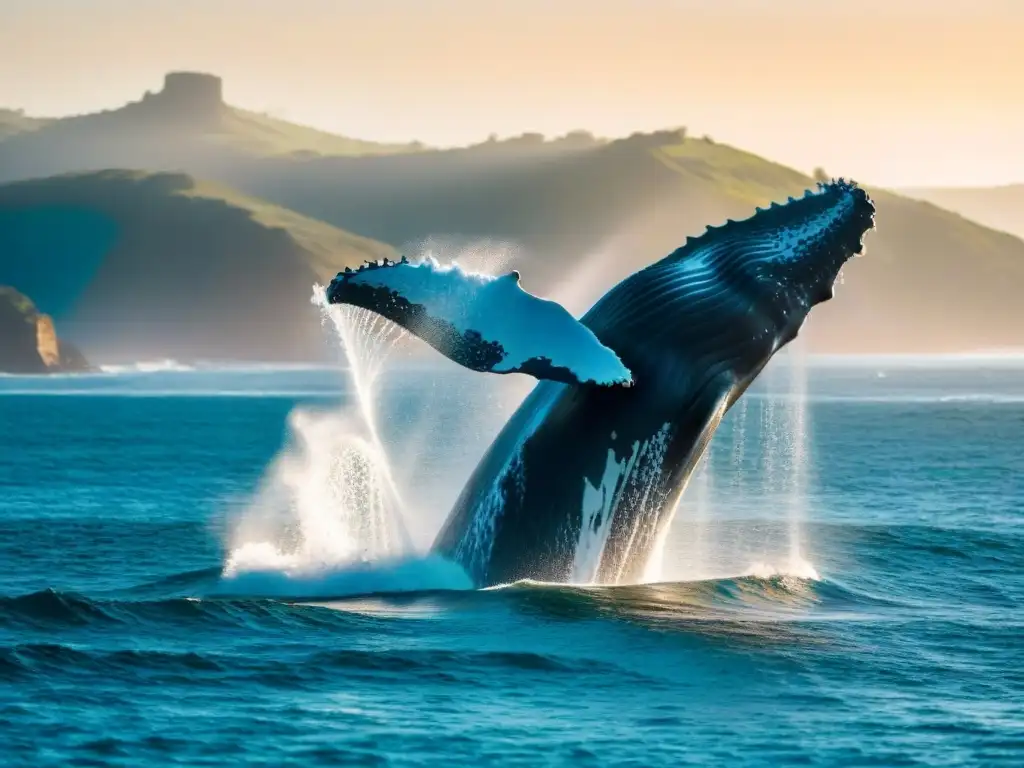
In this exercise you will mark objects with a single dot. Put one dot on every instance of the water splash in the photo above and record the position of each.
(329, 499)
(416, 573)
(745, 508)
(797, 449)
(799, 570)
(784, 468)
(695, 556)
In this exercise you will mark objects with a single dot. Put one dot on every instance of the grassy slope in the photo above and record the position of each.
(233, 128)
(153, 136)
(324, 248)
(933, 281)
(587, 213)
(13, 122)
(193, 270)
(997, 207)
(18, 303)
(259, 134)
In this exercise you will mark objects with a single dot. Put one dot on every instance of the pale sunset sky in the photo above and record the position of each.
(894, 92)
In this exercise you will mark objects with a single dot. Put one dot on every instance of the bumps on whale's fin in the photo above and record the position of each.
(482, 322)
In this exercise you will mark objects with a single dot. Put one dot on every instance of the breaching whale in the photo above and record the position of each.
(583, 480)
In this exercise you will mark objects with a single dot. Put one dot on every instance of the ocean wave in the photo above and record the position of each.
(257, 595)
(262, 572)
(50, 607)
(166, 365)
(45, 657)
(748, 598)
(176, 393)
(297, 669)
(254, 591)
(51, 611)
(939, 398)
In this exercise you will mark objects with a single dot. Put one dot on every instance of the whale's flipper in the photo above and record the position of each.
(481, 322)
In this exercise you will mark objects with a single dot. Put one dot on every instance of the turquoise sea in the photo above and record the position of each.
(843, 584)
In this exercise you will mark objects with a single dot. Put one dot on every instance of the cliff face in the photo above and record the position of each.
(47, 344)
(28, 339)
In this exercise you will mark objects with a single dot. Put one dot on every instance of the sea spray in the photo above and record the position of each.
(744, 509)
(798, 435)
(329, 499)
(696, 553)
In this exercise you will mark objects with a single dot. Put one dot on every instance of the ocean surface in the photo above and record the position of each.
(183, 578)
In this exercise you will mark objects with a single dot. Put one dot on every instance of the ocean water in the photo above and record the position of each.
(843, 584)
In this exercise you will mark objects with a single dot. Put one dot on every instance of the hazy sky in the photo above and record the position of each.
(900, 92)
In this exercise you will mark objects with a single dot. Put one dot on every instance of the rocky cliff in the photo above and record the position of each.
(28, 340)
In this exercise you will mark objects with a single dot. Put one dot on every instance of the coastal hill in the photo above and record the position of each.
(28, 340)
(997, 207)
(586, 216)
(184, 125)
(575, 213)
(145, 266)
(14, 121)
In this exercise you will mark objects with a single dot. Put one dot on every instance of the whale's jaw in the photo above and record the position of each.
(583, 481)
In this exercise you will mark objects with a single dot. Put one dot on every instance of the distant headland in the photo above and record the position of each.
(28, 340)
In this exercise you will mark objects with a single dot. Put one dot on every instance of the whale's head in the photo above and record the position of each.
(738, 292)
(785, 259)
(798, 248)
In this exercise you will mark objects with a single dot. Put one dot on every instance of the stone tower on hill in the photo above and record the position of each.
(193, 96)
(193, 89)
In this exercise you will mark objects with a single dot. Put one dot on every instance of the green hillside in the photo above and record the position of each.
(260, 134)
(997, 207)
(14, 121)
(143, 266)
(28, 340)
(581, 212)
(932, 281)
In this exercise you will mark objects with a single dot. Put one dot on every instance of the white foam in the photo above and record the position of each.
(148, 366)
(795, 567)
(261, 571)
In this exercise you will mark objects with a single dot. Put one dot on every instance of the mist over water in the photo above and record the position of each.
(757, 467)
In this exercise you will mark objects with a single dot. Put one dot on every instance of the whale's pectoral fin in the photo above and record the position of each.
(481, 322)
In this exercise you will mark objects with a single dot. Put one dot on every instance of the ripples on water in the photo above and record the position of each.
(121, 643)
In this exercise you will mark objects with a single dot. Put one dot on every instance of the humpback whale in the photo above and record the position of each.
(582, 482)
